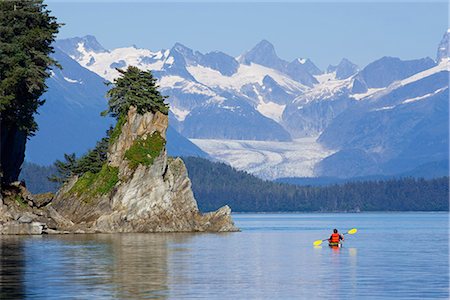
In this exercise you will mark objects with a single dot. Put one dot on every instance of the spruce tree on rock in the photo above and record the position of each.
(135, 88)
(65, 169)
(26, 32)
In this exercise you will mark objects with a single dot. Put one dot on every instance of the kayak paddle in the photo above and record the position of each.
(351, 231)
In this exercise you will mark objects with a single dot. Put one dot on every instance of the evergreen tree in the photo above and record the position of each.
(92, 162)
(135, 88)
(26, 32)
(94, 159)
(64, 169)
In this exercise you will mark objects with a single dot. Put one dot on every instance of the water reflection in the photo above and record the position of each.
(123, 266)
(139, 265)
(353, 252)
(11, 268)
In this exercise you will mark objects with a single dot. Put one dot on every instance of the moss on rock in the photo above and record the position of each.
(145, 150)
(20, 201)
(91, 185)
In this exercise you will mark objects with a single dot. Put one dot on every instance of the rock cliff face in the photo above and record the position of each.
(139, 189)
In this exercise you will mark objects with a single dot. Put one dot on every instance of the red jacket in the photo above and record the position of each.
(335, 238)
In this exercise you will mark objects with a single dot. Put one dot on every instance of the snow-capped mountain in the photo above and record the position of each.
(70, 121)
(253, 89)
(344, 69)
(390, 130)
(312, 111)
(263, 54)
(374, 120)
(70, 46)
(386, 70)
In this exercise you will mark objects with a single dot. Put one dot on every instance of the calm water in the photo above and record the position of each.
(393, 256)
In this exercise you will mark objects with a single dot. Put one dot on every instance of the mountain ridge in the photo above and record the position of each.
(216, 96)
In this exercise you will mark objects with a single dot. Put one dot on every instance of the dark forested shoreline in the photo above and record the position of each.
(216, 184)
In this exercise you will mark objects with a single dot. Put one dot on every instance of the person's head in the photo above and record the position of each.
(335, 230)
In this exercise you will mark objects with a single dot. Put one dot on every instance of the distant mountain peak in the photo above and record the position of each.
(70, 45)
(92, 41)
(181, 47)
(307, 65)
(384, 71)
(183, 50)
(444, 47)
(264, 54)
(301, 70)
(188, 55)
(344, 69)
(345, 61)
(220, 61)
(265, 44)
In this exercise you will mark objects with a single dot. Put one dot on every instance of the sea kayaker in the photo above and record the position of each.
(335, 238)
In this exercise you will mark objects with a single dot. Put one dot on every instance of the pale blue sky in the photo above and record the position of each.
(323, 31)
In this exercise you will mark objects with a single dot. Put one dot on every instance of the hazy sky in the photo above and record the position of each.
(323, 31)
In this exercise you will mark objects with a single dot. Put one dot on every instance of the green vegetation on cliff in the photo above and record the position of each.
(117, 130)
(20, 201)
(144, 151)
(91, 185)
(95, 176)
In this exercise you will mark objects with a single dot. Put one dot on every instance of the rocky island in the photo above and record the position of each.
(130, 184)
